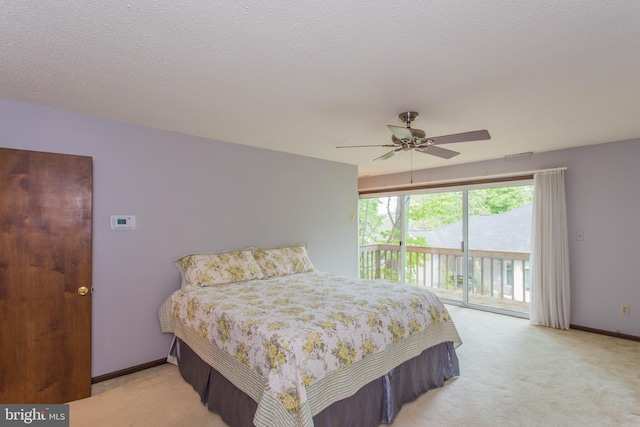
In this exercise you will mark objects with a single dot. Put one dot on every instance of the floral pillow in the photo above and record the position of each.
(283, 261)
(210, 269)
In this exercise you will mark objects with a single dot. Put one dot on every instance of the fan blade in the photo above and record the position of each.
(388, 155)
(437, 151)
(357, 146)
(476, 135)
(405, 133)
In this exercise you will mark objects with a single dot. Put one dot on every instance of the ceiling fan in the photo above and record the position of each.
(407, 138)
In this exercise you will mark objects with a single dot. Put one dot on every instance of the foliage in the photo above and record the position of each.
(380, 217)
(435, 210)
(432, 211)
(498, 200)
(369, 220)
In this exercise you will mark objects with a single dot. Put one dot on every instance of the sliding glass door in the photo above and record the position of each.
(469, 244)
(381, 232)
(433, 243)
(499, 242)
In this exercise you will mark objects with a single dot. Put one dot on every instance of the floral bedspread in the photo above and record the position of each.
(296, 330)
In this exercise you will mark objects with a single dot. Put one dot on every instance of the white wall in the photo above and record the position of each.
(603, 202)
(189, 194)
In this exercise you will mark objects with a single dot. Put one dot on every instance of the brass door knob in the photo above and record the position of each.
(83, 290)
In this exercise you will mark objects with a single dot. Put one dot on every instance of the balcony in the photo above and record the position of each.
(497, 279)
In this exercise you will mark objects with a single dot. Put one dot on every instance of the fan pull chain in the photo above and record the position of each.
(411, 173)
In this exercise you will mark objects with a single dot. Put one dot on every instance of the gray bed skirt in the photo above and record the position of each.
(375, 403)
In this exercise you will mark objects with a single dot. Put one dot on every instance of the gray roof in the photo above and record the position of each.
(509, 231)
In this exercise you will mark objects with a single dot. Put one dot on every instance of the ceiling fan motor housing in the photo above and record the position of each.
(408, 117)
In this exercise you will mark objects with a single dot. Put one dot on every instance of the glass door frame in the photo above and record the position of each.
(403, 197)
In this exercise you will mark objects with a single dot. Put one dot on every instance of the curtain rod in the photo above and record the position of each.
(515, 174)
(561, 168)
(457, 181)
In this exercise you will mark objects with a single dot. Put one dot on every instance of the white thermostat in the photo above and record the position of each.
(123, 222)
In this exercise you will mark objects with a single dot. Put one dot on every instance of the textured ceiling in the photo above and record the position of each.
(306, 76)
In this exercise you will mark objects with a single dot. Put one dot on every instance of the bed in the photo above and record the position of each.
(267, 340)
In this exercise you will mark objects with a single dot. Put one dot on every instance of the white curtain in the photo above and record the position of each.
(550, 302)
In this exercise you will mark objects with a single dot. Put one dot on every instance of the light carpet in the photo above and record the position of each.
(512, 374)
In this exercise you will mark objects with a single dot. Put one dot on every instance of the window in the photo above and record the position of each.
(469, 244)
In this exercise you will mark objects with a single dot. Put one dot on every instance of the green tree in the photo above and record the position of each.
(369, 221)
(435, 210)
(392, 236)
(484, 201)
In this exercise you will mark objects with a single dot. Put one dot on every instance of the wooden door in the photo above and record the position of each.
(45, 257)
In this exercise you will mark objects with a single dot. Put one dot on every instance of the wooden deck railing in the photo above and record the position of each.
(496, 274)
